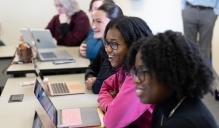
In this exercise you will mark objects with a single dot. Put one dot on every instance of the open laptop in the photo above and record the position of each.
(73, 117)
(45, 46)
(27, 36)
(37, 123)
(60, 88)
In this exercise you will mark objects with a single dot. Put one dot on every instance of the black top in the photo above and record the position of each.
(192, 113)
(101, 68)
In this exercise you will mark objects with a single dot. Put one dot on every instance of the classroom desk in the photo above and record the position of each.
(7, 51)
(20, 114)
(48, 67)
(6, 55)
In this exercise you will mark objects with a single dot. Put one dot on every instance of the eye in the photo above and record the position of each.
(114, 43)
(99, 21)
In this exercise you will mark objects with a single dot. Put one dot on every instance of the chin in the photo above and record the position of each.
(97, 36)
(113, 65)
(145, 101)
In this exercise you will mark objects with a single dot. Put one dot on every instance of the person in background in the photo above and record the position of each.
(90, 46)
(199, 18)
(117, 97)
(71, 25)
(170, 72)
(100, 67)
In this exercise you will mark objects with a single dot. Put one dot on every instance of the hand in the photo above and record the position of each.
(89, 82)
(82, 49)
(63, 18)
(114, 92)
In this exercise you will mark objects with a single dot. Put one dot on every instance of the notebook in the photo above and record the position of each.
(45, 46)
(73, 117)
(37, 123)
(60, 88)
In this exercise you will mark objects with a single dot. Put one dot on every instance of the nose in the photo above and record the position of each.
(92, 13)
(108, 49)
(93, 25)
(136, 80)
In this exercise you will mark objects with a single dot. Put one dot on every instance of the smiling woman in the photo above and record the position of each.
(100, 68)
(170, 71)
(117, 94)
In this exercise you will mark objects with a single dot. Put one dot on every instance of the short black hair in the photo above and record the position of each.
(131, 28)
(104, 1)
(176, 62)
(112, 10)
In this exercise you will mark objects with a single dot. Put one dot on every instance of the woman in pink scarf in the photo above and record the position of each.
(117, 97)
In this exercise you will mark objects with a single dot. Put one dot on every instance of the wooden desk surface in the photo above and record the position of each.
(81, 64)
(7, 51)
(20, 114)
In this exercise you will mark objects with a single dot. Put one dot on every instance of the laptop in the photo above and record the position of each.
(37, 123)
(45, 46)
(73, 117)
(27, 36)
(60, 88)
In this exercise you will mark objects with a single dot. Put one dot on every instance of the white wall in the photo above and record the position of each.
(159, 14)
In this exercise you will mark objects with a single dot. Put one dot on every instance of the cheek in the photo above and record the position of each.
(102, 28)
(151, 93)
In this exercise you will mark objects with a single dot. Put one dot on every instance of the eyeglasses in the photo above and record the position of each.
(140, 73)
(113, 45)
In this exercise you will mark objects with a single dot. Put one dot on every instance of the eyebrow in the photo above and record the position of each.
(112, 40)
(97, 19)
(141, 66)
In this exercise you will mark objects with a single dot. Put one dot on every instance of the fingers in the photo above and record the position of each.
(89, 82)
(84, 45)
(82, 49)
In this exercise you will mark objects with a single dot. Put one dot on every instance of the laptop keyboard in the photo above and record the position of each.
(58, 88)
(48, 55)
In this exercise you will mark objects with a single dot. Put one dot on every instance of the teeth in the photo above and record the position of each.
(110, 57)
(138, 91)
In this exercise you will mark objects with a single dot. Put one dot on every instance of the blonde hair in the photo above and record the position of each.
(71, 6)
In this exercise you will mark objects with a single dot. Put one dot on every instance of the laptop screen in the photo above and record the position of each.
(45, 102)
(37, 123)
(37, 69)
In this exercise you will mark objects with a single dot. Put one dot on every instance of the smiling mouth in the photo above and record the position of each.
(96, 31)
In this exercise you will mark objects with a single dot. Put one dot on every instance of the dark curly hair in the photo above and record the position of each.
(176, 62)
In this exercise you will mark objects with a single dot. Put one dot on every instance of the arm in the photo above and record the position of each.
(94, 67)
(70, 34)
(105, 98)
(74, 33)
(106, 71)
(216, 9)
(183, 4)
(126, 107)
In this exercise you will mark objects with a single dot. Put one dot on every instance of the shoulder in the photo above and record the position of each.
(192, 111)
(56, 17)
(80, 14)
